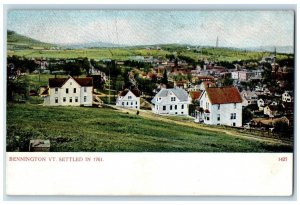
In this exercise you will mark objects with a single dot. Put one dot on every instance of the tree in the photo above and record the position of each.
(281, 127)
(17, 85)
(164, 79)
(86, 65)
(72, 68)
(227, 81)
(119, 82)
(246, 115)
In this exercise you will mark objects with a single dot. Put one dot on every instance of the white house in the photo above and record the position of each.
(69, 92)
(260, 104)
(235, 75)
(287, 96)
(173, 101)
(129, 99)
(249, 97)
(220, 106)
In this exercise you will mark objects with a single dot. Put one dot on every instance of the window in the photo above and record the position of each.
(218, 117)
(122, 103)
(175, 107)
(219, 106)
(233, 116)
(233, 124)
(171, 107)
(56, 100)
(84, 89)
(70, 83)
(159, 98)
(67, 90)
(126, 103)
(56, 90)
(182, 106)
(156, 107)
(207, 118)
(234, 105)
(136, 102)
(84, 99)
(64, 99)
(131, 103)
(70, 100)
(76, 99)
(164, 107)
(74, 90)
(129, 97)
(173, 98)
(175, 113)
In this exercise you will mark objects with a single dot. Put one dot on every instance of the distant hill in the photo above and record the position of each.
(19, 41)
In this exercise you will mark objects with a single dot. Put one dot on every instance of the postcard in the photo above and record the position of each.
(149, 102)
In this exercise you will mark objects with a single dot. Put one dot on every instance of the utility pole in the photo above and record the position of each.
(109, 85)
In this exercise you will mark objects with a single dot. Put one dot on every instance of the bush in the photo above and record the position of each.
(18, 140)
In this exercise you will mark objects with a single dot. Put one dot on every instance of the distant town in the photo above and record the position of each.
(249, 94)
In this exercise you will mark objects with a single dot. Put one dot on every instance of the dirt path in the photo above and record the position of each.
(149, 115)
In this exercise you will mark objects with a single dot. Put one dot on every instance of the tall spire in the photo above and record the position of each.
(217, 42)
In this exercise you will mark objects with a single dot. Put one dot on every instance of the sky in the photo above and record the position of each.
(240, 29)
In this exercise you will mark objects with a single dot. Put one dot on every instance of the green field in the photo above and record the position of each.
(74, 129)
(124, 54)
(23, 46)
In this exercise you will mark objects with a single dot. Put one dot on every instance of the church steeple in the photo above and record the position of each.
(217, 42)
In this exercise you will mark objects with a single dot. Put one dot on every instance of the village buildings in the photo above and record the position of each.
(173, 101)
(220, 106)
(69, 92)
(129, 99)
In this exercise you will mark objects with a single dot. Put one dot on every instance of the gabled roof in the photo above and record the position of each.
(181, 94)
(59, 82)
(223, 95)
(136, 92)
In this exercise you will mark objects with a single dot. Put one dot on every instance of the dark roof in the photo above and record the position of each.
(223, 95)
(88, 81)
(195, 94)
(136, 92)
(45, 92)
(59, 82)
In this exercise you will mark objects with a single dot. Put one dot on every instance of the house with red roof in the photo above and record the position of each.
(129, 98)
(220, 106)
(69, 92)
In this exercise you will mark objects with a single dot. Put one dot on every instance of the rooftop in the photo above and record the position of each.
(223, 95)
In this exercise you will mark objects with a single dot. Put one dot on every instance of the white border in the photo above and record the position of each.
(121, 2)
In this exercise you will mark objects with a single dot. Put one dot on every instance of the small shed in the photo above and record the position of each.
(38, 145)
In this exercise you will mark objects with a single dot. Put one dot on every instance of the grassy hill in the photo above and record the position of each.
(74, 129)
(17, 41)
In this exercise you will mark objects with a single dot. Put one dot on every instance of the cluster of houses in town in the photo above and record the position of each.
(214, 103)
(220, 105)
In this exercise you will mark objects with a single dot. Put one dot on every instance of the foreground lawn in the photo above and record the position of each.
(74, 129)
